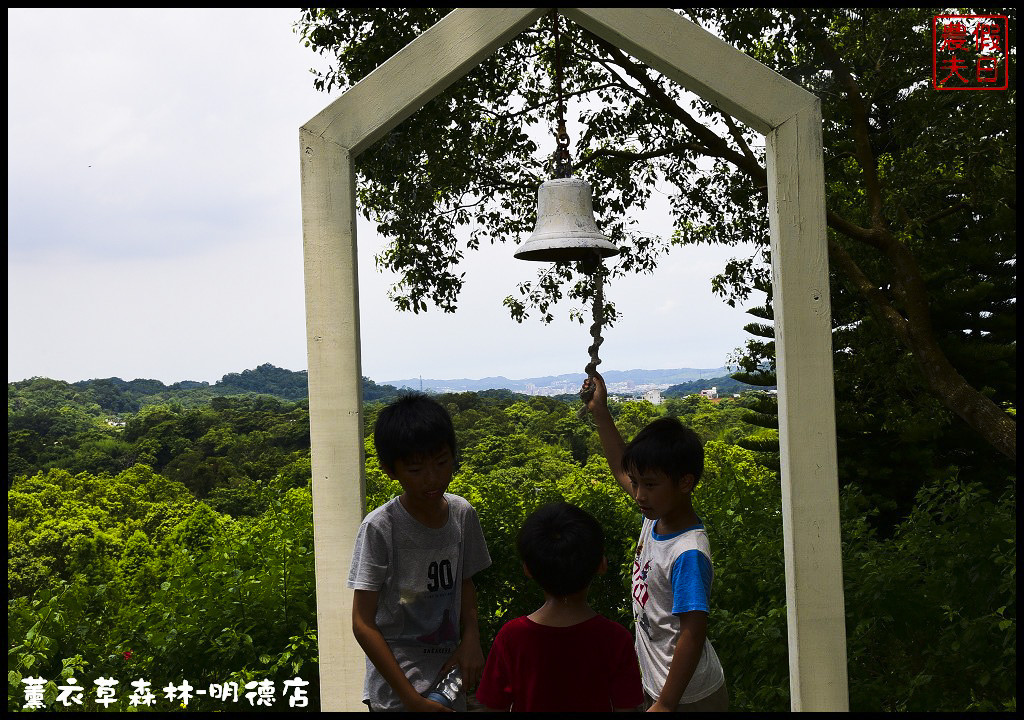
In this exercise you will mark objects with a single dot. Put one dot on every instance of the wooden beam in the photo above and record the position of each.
(807, 431)
(417, 73)
(688, 54)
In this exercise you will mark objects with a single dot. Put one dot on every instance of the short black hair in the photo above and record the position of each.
(666, 445)
(412, 426)
(562, 546)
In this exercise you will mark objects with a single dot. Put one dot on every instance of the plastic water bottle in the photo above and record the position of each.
(447, 688)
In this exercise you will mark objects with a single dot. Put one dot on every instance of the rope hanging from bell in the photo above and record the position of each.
(566, 230)
(593, 265)
(595, 331)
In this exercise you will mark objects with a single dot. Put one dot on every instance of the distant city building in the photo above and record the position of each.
(711, 394)
(653, 397)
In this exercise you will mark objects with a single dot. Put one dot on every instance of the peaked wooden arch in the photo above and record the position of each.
(790, 119)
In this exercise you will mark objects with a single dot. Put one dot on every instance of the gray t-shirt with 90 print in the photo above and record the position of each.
(418, 572)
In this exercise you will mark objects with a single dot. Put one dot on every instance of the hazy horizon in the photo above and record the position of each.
(380, 380)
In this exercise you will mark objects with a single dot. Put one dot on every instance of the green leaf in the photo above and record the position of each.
(33, 630)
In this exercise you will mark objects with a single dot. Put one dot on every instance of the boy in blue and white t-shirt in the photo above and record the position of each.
(672, 570)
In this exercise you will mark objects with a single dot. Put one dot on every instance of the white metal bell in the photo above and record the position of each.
(566, 229)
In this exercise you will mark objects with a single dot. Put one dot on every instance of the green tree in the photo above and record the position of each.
(130, 575)
(269, 380)
(47, 420)
(921, 212)
(633, 416)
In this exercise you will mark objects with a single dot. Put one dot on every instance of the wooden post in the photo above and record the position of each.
(807, 430)
(335, 406)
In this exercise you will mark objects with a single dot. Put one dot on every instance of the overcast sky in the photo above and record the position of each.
(154, 224)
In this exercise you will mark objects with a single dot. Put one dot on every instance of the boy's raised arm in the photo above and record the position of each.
(611, 441)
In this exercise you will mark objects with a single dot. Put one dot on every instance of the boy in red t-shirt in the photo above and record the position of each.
(565, 656)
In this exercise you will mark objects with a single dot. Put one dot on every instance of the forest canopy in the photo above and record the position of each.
(920, 189)
(159, 548)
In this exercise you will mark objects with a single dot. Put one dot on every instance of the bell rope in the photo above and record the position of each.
(596, 270)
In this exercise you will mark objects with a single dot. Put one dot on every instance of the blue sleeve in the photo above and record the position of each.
(691, 582)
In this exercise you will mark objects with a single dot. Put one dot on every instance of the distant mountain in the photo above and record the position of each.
(288, 384)
(115, 395)
(725, 385)
(126, 396)
(268, 380)
(569, 382)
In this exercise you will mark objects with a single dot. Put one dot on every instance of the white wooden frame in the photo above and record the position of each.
(790, 119)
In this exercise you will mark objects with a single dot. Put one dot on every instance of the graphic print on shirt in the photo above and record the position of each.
(428, 595)
(640, 594)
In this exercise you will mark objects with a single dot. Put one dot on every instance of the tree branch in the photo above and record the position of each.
(915, 333)
(854, 231)
(737, 136)
(861, 139)
(633, 157)
(545, 103)
(863, 286)
(714, 145)
(948, 211)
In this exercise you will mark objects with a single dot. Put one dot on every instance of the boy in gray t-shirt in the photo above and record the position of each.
(413, 565)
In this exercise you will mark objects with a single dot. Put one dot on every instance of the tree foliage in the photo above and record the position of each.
(921, 185)
(132, 575)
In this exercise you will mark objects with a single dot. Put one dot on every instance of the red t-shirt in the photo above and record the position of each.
(590, 666)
